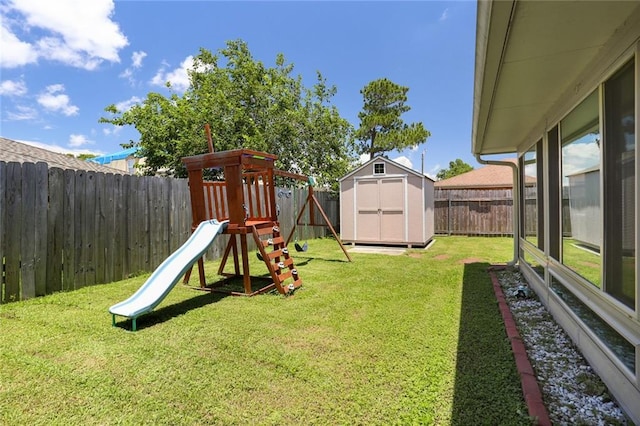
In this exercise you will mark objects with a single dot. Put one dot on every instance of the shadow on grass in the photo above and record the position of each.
(487, 387)
(171, 311)
(303, 260)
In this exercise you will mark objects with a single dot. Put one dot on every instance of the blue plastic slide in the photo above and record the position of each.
(165, 277)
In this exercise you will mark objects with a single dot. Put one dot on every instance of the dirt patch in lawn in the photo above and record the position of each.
(441, 257)
(471, 260)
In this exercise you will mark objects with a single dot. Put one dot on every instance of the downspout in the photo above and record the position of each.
(516, 203)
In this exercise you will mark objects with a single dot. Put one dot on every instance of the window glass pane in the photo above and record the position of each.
(581, 217)
(619, 166)
(537, 267)
(378, 169)
(530, 196)
(620, 346)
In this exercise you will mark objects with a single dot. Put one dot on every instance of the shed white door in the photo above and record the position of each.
(380, 210)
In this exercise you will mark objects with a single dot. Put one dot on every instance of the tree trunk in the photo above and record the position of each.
(373, 138)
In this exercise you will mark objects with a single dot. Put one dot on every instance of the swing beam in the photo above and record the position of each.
(311, 200)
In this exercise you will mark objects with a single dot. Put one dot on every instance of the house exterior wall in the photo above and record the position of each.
(604, 325)
(583, 109)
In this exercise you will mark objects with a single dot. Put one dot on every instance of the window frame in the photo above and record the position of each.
(375, 168)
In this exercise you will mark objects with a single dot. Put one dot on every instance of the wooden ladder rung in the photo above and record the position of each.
(276, 253)
(272, 241)
(287, 262)
(265, 230)
(297, 283)
(283, 276)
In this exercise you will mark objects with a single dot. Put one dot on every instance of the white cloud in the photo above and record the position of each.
(179, 77)
(577, 157)
(79, 33)
(15, 52)
(76, 141)
(22, 113)
(444, 16)
(55, 100)
(13, 88)
(531, 170)
(364, 158)
(114, 130)
(136, 59)
(128, 74)
(55, 49)
(126, 105)
(404, 161)
(136, 62)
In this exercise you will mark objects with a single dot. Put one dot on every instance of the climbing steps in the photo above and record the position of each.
(275, 254)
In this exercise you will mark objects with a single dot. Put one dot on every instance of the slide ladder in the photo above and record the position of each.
(279, 263)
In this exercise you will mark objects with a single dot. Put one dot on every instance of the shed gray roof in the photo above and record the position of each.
(11, 150)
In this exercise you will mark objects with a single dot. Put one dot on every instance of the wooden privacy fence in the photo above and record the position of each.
(489, 212)
(473, 211)
(66, 229)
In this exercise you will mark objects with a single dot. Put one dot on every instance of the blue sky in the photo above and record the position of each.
(62, 62)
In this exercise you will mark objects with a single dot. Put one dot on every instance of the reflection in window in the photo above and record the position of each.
(530, 196)
(620, 346)
(581, 217)
(533, 263)
(619, 194)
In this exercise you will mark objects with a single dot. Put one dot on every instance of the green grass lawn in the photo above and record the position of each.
(411, 339)
(585, 262)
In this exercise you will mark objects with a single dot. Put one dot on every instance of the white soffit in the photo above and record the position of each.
(528, 53)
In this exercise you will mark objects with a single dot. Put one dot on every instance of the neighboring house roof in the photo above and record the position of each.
(386, 160)
(12, 151)
(120, 155)
(490, 176)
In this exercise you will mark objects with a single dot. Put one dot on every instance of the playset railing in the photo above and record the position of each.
(257, 205)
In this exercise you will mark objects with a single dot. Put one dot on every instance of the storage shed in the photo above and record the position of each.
(384, 202)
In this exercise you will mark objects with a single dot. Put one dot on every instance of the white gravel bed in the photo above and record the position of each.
(572, 392)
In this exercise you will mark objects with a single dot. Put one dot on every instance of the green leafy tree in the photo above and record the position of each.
(381, 126)
(82, 156)
(456, 168)
(247, 105)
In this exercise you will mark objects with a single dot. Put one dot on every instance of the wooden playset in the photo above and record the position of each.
(246, 198)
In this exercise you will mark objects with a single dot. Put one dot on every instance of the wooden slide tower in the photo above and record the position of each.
(247, 199)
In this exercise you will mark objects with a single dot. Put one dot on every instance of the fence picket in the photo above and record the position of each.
(101, 241)
(3, 226)
(55, 215)
(41, 227)
(119, 228)
(28, 235)
(13, 226)
(79, 223)
(89, 229)
(69, 230)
